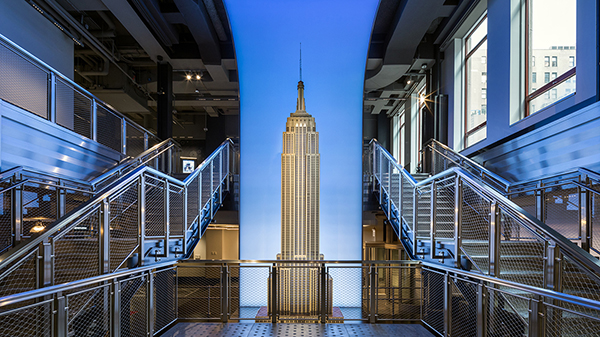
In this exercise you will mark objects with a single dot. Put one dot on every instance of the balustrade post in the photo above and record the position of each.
(150, 303)
(274, 303)
(552, 266)
(17, 210)
(373, 161)
(212, 188)
(447, 304)
(170, 161)
(225, 293)
(540, 204)
(323, 293)
(123, 136)
(94, 121)
(415, 216)
(52, 97)
(482, 300)
(45, 271)
(104, 237)
(167, 217)
(115, 314)
(62, 199)
(433, 214)
(373, 294)
(495, 237)
(389, 192)
(186, 229)
(200, 205)
(141, 218)
(60, 316)
(536, 318)
(585, 217)
(458, 201)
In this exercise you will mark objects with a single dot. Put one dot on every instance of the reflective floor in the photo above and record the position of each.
(295, 330)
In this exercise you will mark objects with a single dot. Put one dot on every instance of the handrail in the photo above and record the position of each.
(484, 172)
(529, 221)
(206, 161)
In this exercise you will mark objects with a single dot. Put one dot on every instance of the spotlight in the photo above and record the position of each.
(422, 98)
(198, 77)
(188, 77)
(197, 91)
(424, 66)
(408, 82)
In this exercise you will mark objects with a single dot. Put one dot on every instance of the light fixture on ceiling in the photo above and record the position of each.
(198, 77)
(188, 77)
(39, 226)
(424, 66)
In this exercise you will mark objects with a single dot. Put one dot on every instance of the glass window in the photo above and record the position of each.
(476, 83)
(553, 42)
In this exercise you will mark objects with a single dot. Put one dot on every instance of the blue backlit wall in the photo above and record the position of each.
(334, 37)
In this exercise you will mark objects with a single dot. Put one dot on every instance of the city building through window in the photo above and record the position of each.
(476, 83)
(557, 45)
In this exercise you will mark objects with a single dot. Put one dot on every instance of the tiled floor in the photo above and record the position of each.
(295, 330)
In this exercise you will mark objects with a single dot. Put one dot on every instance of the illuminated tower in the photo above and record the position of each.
(300, 171)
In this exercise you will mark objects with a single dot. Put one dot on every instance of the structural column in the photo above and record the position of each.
(164, 88)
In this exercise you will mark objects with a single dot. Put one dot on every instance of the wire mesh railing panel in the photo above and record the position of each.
(408, 191)
(123, 225)
(571, 320)
(249, 292)
(6, 232)
(503, 319)
(176, 222)
(444, 216)
(20, 276)
(109, 129)
(475, 228)
(192, 201)
(424, 212)
(464, 307)
(595, 223)
(576, 281)
(521, 252)
(74, 199)
(134, 322)
(19, 78)
(165, 298)
(134, 140)
(346, 293)
(399, 293)
(395, 187)
(561, 208)
(199, 292)
(40, 206)
(77, 252)
(73, 109)
(525, 200)
(155, 206)
(216, 170)
(206, 185)
(88, 312)
(28, 321)
(433, 300)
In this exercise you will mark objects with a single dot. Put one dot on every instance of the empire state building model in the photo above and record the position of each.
(300, 174)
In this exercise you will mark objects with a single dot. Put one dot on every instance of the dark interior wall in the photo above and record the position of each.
(23, 25)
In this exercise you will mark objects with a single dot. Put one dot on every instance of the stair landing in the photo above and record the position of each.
(295, 330)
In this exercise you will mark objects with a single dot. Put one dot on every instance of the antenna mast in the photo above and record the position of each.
(300, 61)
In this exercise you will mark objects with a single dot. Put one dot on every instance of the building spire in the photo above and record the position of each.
(300, 107)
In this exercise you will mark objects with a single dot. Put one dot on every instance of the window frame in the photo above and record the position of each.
(552, 83)
(468, 54)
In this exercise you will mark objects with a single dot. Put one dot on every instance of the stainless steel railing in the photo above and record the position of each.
(564, 201)
(455, 218)
(32, 200)
(141, 218)
(31, 84)
(149, 300)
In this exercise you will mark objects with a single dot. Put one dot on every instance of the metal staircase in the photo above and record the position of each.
(133, 215)
(462, 217)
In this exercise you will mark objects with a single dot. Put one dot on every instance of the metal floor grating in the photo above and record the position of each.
(295, 330)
